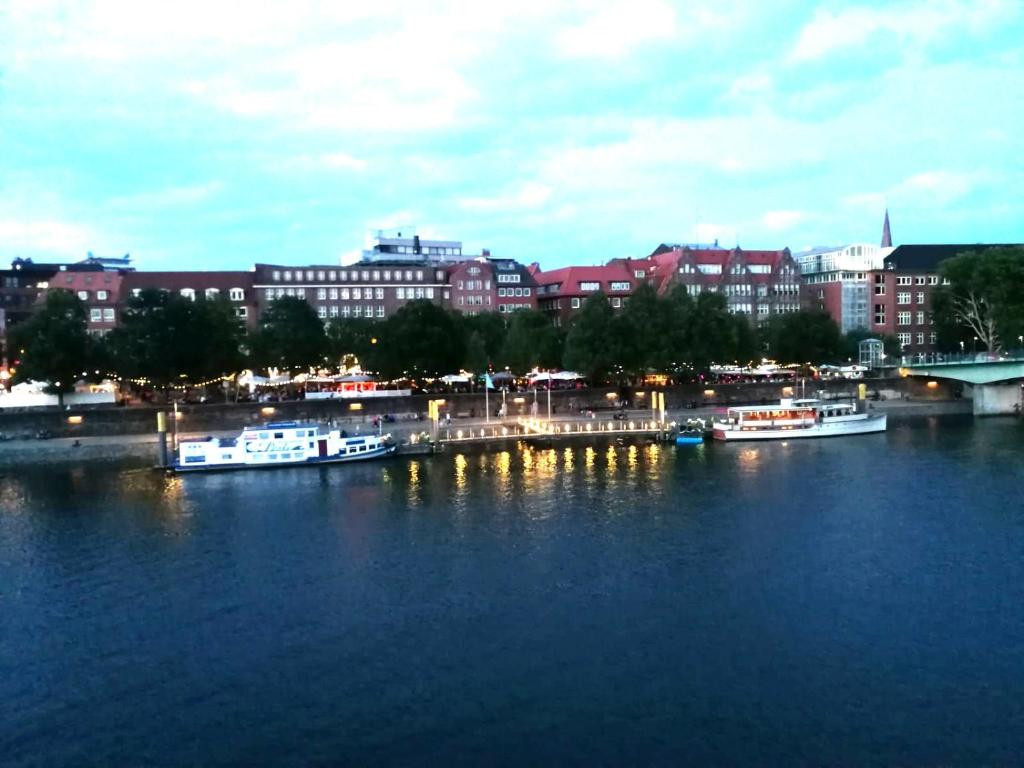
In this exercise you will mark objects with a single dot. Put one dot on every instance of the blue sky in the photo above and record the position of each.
(197, 135)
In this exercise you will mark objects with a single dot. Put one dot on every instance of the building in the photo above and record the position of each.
(99, 290)
(374, 289)
(413, 249)
(235, 286)
(487, 284)
(756, 283)
(836, 281)
(561, 292)
(902, 293)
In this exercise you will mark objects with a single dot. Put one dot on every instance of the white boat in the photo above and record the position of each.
(796, 418)
(283, 444)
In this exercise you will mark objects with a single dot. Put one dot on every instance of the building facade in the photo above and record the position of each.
(235, 286)
(369, 289)
(562, 292)
(837, 281)
(487, 284)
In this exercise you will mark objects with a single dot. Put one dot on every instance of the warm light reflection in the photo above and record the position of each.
(632, 458)
(527, 459)
(567, 459)
(460, 471)
(414, 482)
(750, 458)
(589, 456)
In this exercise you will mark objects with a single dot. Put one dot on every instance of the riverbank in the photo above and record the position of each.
(143, 448)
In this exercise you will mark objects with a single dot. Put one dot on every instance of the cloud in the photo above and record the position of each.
(780, 221)
(327, 161)
(615, 30)
(168, 197)
(908, 22)
(47, 237)
(529, 195)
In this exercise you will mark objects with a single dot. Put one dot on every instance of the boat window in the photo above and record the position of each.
(278, 435)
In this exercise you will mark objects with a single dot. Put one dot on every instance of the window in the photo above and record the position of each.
(399, 293)
(188, 293)
(345, 310)
(419, 275)
(333, 310)
(933, 279)
(638, 273)
(378, 293)
(879, 314)
(518, 292)
(620, 286)
(904, 339)
(919, 280)
(920, 318)
(236, 294)
(332, 294)
(276, 275)
(526, 291)
(903, 280)
(101, 295)
(288, 275)
(902, 318)
(380, 310)
(321, 293)
(508, 278)
(879, 285)
(321, 312)
(501, 293)
(429, 293)
(332, 275)
(344, 293)
(617, 301)
(300, 292)
(920, 338)
(211, 293)
(903, 297)
(419, 293)
(387, 274)
(439, 275)
(108, 314)
(357, 311)
(269, 293)
(369, 310)
(309, 275)
(933, 338)
(320, 275)
(95, 315)
(920, 297)
(343, 275)
(242, 311)
(710, 269)
(376, 275)
(575, 303)
(590, 286)
(357, 293)
(83, 295)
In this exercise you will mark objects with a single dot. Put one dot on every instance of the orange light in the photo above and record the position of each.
(932, 384)
(709, 393)
(74, 419)
(268, 410)
(355, 406)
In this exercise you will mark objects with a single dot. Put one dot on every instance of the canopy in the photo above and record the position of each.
(455, 378)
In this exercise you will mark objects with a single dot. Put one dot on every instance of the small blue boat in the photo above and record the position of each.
(689, 437)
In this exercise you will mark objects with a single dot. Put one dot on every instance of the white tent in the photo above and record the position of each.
(455, 378)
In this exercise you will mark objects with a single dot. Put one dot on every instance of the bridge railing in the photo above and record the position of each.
(961, 358)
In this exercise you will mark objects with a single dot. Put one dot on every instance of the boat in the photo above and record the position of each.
(796, 418)
(280, 444)
(690, 437)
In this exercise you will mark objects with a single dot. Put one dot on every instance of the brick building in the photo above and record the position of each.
(374, 289)
(235, 286)
(837, 281)
(561, 292)
(486, 284)
(901, 293)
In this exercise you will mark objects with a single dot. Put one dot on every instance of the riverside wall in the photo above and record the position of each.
(137, 420)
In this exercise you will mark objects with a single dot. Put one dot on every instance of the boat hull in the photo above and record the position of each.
(316, 461)
(871, 425)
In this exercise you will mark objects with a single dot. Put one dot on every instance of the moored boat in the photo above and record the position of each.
(282, 444)
(796, 418)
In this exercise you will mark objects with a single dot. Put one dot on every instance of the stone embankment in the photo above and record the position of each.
(142, 448)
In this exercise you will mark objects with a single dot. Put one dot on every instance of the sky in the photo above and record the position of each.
(206, 135)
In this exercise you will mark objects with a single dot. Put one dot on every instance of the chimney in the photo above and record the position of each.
(415, 243)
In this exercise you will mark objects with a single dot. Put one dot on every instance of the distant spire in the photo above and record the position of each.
(886, 233)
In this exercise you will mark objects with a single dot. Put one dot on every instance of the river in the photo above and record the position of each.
(844, 601)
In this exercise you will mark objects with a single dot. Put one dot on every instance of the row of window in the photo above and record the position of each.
(512, 307)
(508, 278)
(344, 275)
(474, 300)
(345, 310)
(917, 280)
(905, 338)
(903, 318)
(513, 292)
(903, 297)
(87, 279)
(354, 294)
(235, 294)
(100, 295)
(475, 285)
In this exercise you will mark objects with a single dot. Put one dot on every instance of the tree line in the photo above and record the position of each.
(166, 339)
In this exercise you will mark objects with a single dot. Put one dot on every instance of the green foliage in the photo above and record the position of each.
(531, 342)
(808, 336)
(53, 345)
(588, 345)
(476, 357)
(167, 338)
(852, 339)
(420, 340)
(351, 338)
(291, 336)
(491, 328)
(984, 299)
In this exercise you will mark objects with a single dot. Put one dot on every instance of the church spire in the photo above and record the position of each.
(886, 233)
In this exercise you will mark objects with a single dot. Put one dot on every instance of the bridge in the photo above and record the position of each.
(996, 379)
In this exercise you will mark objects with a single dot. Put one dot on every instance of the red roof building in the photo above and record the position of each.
(561, 292)
(237, 287)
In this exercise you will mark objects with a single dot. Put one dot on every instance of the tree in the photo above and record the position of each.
(476, 357)
(490, 326)
(640, 332)
(588, 343)
(531, 342)
(291, 336)
(53, 345)
(711, 332)
(983, 298)
(167, 338)
(351, 339)
(806, 336)
(419, 340)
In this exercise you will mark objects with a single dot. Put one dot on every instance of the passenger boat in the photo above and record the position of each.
(796, 418)
(282, 444)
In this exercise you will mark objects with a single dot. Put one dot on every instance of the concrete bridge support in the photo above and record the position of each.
(997, 399)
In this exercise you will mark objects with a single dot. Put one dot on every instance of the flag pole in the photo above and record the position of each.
(487, 399)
